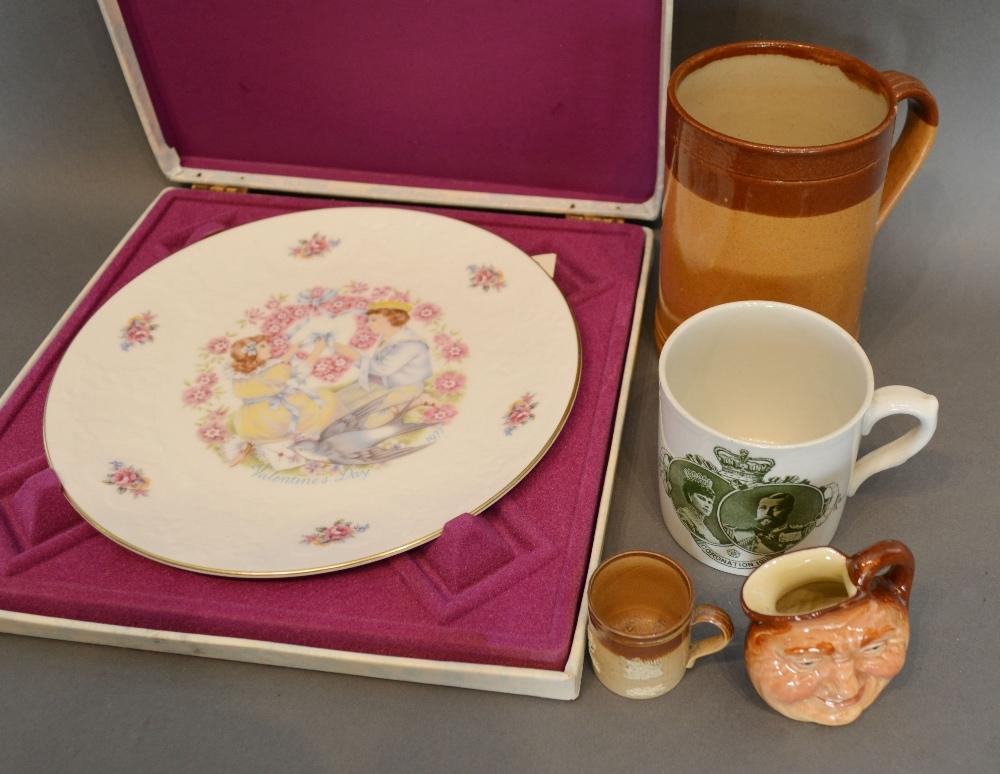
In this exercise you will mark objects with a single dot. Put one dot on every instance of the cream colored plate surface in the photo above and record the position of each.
(312, 391)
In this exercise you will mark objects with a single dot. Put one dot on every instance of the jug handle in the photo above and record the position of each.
(914, 142)
(864, 567)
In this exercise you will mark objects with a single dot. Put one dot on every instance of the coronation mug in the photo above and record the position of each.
(641, 610)
(762, 410)
(781, 168)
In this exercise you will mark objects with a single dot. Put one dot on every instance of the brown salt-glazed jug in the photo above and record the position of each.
(781, 169)
(828, 632)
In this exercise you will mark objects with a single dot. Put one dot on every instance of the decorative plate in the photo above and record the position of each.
(312, 392)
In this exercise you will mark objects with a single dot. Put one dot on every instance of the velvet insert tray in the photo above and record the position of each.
(501, 589)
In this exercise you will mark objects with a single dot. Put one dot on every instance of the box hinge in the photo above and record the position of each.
(219, 188)
(599, 218)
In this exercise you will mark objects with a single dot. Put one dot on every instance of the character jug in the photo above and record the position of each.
(828, 631)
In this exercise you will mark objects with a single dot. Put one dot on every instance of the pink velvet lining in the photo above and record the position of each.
(552, 97)
(502, 588)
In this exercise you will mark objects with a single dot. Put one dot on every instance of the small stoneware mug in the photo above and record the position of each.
(781, 168)
(762, 410)
(641, 608)
(827, 631)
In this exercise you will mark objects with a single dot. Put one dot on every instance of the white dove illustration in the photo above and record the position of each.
(346, 442)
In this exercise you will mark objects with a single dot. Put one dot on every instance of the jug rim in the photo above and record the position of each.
(883, 571)
(853, 68)
(860, 593)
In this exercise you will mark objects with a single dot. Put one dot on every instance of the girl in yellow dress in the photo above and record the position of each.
(273, 409)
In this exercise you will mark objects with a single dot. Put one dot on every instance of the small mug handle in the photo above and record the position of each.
(863, 568)
(885, 402)
(718, 617)
(914, 142)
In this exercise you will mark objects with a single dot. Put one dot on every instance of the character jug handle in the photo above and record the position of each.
(864, 569)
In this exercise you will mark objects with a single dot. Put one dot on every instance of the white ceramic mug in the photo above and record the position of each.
(762, 409)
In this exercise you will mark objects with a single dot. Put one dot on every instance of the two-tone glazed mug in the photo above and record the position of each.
(641, 610)
(781, 168)
(827, 631)
(762, 409)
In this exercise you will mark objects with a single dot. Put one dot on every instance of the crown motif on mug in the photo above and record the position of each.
(391, 303)
(700, 478)
(743, 467)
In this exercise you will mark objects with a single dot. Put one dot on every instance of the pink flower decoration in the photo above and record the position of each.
(521, 412)
(352, 302)
(454, 350)
(315, 245)
(206, 379)
(194, 396)
(272, 326)
(336, 532)
(138, 330)
(449, 383)
(127, 479)
(486, 277)
(278, 345)
(330, 369)
(337, 306)
(356, 287)
(441, 339)
(363, 339)
(439, 414)
(218, 346)
(213, 433)
(519, 416)
(124, 477)
(426, 312)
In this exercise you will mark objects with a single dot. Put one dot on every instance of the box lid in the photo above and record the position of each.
(547, 106)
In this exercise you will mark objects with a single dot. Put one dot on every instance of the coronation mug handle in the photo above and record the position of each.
(718, 617)
(914, 142)
(886, 402)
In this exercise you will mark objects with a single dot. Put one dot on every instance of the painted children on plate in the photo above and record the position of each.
(287, 419)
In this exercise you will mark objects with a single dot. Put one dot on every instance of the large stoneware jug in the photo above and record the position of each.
(780, 169)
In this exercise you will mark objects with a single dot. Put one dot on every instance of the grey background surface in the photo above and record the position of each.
(75, 172)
